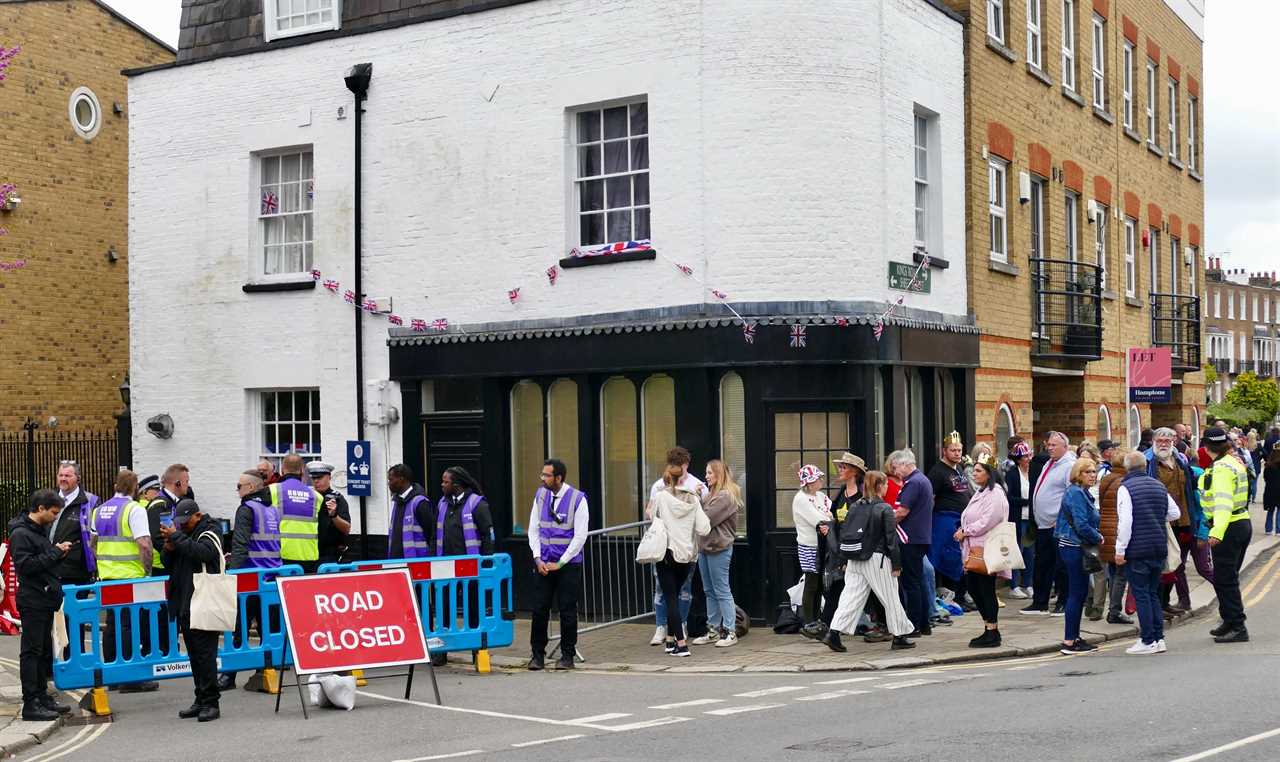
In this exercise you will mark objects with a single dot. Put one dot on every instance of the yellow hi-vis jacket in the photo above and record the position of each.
(1224, 490)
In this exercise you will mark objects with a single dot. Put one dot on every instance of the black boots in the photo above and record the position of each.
(988, 639)
(832, 641)
(208, 714)
(34, 711)
(1233, 635)
(900, 642)
(48, 702)
(190, 712)
(537, 662)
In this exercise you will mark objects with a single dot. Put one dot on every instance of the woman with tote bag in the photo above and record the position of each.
(679, 512)
(987, 509)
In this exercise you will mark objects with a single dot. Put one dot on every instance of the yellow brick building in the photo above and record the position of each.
(64, 318)
(1084, 162)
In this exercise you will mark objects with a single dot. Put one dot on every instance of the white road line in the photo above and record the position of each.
(597, 718)
(67, 748)
(830, 695)
(846, 681)
(1230, 746)
(770, 691)
(481, 712)
(907, 684)
(740, 709)
(643, 724)
(1024, 667)
(468, 753)
(546, 740)
(695, 702)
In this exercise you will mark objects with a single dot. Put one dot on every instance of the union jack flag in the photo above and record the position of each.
(439, 324)
(270, 204)
(311, 190)
(331, 285)
(719, 294)
(687, 270)
(878, 330)
(315, 275)
(749, 332)
(552, 273)
(369, 305)
(843, 322)
(349, 296)
(612, 248)
(513, 294)
(798, 339)
(418, 325)
(395, 320)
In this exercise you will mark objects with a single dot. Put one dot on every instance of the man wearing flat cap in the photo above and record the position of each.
(335, 516)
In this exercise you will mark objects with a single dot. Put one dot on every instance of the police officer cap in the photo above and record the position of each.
(319, 468)
(1215, 434)
(185, 509)
(151, 481)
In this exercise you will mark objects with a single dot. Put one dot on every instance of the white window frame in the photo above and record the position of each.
(1130, 257)
(1134, 426)
(1175, 262)
(995, 20)
(920, 169)
(304, 187)
(1069, 44)
(1100, 241)
(1128, 85)
(1217, 304)
(1071, 230)
(1154, 243)
(1104, 414)
(1173, 118)
(1035, 26)
(1193, 162)
(1099, 62)
(257, 409)
(1231, 305)
(1153, 110)
(1255, 308)
(271, 26)
(577, 144)
(998, 207)
(1193, 285)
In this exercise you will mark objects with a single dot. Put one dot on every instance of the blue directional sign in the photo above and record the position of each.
(359, 483)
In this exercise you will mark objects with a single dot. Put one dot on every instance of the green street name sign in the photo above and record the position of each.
(900, 278)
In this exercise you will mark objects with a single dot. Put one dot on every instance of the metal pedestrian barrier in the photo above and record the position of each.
(466, 601)
(120, 633)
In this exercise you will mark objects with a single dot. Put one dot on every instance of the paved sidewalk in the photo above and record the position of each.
(625, 647)
(16, 734)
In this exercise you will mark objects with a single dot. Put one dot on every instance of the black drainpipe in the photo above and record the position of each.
(357, 81)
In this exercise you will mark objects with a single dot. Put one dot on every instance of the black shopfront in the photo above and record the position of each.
(610, 395)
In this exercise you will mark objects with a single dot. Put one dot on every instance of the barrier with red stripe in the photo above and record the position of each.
(128, 620)
(466, 601)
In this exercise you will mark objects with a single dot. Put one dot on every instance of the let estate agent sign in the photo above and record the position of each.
(1150, 374)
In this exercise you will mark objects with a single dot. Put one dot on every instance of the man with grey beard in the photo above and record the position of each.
(1172, 469)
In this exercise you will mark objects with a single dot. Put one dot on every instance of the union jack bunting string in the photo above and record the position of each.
(440, 324)
(719, 294)
(843, 322)
(269, 203)
(418, 325)
(315, 275)
(395, 320)
(513, 294)
(311, 190)
(878, 330)
(749, 332)
(798, 339)
(331, 285)
(552, 273)
(349, 296)
(369, 306)
(687, 270)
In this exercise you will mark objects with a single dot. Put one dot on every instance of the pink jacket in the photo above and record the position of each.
(987, 509)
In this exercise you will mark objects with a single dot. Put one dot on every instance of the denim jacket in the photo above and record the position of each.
(1078, 504)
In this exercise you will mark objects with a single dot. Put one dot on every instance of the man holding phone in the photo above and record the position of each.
(335, 515)
(39, 597)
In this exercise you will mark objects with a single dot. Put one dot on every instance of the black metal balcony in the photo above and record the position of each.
(1222, 365)
(1175, 323)
(1267, 368)
(1066, 308)
(1244, 366)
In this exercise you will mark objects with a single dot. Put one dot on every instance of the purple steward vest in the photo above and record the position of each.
(86, 519)
(469, 534)
(555, 527)
(264, 538)
(412, 536)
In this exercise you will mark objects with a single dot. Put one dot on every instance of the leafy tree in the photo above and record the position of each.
(1210, 374)
(1258, 394)
(1233, 415)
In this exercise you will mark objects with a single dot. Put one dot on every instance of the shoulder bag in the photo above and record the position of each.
(214, 596)
(653, 546)
(1000, 549)
(1090, 555)
(1173, 551)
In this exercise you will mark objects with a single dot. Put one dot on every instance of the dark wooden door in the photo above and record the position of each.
(451, 439)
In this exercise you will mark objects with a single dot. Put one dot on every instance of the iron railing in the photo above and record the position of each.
(29, 459)
(1066, 310)
(1244, 366)
(1175, 323)
(1267, 368)
(1222, 365)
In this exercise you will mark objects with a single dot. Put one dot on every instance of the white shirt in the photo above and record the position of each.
(139, 524)
(67, 498)
(689, 482)
(581, 520)
(1124, 509)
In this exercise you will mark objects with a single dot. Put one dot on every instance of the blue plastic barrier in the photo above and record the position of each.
(451, 591)
(137, 606)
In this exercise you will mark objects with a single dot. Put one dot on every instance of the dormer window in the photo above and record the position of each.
(289, 18)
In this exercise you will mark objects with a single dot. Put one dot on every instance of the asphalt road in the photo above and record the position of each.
(1196, 698)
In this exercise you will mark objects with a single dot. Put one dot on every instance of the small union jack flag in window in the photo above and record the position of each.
(798, 339)
(369, 305)
(418, 325)
(395, 320)
(349, 296)
(719, 294)
(552, 273)
(878, 330)
(440, 324)
(331, 285)
(311, 190)
(749, 332)
(315, 275)
(843, 322)
(513, 294)
(687, 270)
(270, 204)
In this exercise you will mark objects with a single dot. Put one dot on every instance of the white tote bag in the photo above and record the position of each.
(653, 546)
(1173, 551)
(214, 597)
(1000, 549)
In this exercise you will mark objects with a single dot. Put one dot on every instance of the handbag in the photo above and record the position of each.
(976, 562)
(1000, 549)
(653, 546)
(1173, 551)
(1090, 555)
(214, 601)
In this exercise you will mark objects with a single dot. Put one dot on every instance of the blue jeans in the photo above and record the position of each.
(660, 601)
(930, 586)
(1023, 577)
(1144, 579)
(1077, 589)
(1271, 519)
(714, 568)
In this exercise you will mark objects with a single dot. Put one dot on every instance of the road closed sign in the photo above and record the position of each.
(358, 620)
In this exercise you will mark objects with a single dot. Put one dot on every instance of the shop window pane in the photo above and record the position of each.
(838, 433)
(786, 466)
(786, 431)
(814, 429)
(526, 449)
(659, 425)
(733, 437)
(562, 426)
(618, 435)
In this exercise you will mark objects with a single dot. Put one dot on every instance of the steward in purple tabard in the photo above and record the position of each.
(464, 527)
(557, 533)
(255, 544)
(411, 514)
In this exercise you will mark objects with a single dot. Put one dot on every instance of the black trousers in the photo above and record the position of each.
(831, 600)
(915, 597)
(202, 650)
(253, 614)
(1049, 574)
(671, 576)
(1228, 556)
(563, 587)
(35, 657)
(982, 587)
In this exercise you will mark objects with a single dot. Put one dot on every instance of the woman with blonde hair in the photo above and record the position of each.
(1077, 527)
(724, 499)
(680, 512)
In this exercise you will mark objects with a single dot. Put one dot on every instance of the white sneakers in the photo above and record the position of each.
(1142, 649)
(706, 640)
(1019, 593)
(727, 641)
(659, 636)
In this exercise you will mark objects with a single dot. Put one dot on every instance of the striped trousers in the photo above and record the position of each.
(861, 578)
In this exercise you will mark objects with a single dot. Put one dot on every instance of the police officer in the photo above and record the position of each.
(299, 515)
(72, 525)
(159, 495)
(411, 516)
(255, 544)
(558, 525)
(121, 541)
(335, 515)
(1224, 488)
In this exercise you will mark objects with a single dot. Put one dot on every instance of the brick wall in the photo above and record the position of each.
(64, 316)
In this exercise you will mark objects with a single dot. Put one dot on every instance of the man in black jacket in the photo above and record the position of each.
(77, 504)
(192, 545)
(405, 495)
(39, 596)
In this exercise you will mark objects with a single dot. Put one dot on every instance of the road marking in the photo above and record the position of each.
(1230, 746)
(695, 702)
(830, 695)
(481, 712)
(70, 746)
(907, 684)
(1261, 575)
(546, 740)
(770, 691)
(740, 709)
(468, 753)
(598, 718)
(846, 681)
(1024, 667)
(1266, 589)
(643, 724)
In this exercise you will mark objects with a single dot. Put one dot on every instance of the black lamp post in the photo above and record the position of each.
(124, 425)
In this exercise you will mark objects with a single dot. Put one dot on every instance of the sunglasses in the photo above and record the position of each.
(67, 463)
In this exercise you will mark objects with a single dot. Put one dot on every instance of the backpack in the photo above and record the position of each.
(855, 529)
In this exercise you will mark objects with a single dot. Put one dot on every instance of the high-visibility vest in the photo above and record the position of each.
(299, 519)
(157, 567)
(1224, 489)
(117, 551)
